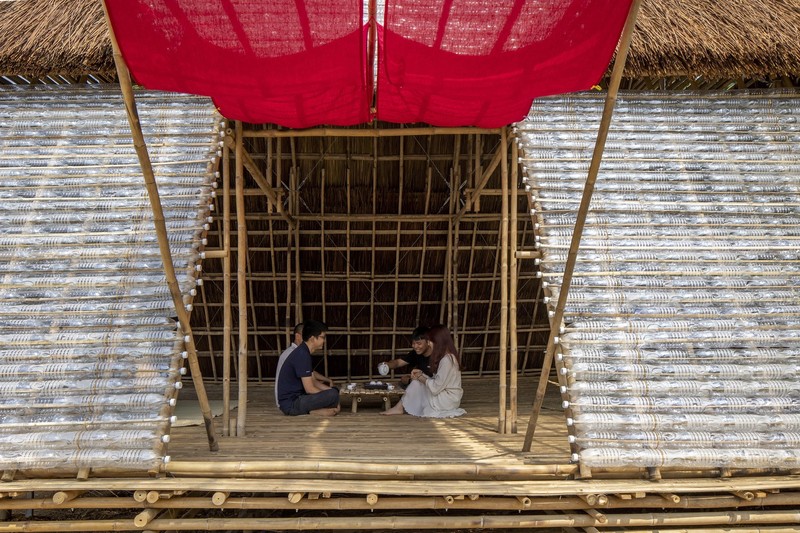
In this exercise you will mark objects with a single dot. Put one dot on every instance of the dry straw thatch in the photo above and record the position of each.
(728, 39)
(68, 37)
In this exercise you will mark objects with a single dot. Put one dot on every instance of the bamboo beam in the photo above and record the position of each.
(503, 350)
(371, 132)
(417, 471)
(265, 186)
(474, 502)
(241, 281)
(371, 522)
(594, 167)
(476, 193)
(161, 230)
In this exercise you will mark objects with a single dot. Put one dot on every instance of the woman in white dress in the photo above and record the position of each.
(438, 396)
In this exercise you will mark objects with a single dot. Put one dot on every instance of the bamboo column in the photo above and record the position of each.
(512, 309)
(241, 281)
(161, 230)
(455, 183)
(501, 422)
(226, 290)
(594, 167)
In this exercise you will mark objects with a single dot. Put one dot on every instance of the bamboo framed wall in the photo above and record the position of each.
(387, 232)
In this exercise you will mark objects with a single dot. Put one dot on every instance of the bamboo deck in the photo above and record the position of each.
(367, 436)
(364, 471)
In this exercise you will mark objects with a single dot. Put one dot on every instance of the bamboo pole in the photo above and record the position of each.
(512, 308)
(398, 241)
(476, 193)
(241, 281)
(322, 295)
(475, 502)
(514, 521)
(454, 195)
(502, 353)
(491, 303)
(298, 289)
(265, 186)
(424, 247)
(594, 167)
(427, 471)
(371, 132)
(161, 230)
(347, 275)
(374, 169)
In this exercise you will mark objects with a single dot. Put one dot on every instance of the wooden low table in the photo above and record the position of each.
(359, 393)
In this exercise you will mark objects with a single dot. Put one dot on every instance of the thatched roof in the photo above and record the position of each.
(727, 39)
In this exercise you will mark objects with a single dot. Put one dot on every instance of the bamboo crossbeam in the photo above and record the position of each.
(262, 182)
(474, 502)
(371, 132)
(594, 167)
(427, 471)
(515, 521)
(161, 230)
(475, 194)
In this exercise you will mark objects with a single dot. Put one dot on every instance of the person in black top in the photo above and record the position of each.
(418, 357)
(299, 391)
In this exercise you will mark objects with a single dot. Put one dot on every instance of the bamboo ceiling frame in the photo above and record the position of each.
(577, 233)
(161, 231)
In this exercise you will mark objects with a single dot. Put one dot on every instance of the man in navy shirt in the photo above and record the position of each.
(299, 391)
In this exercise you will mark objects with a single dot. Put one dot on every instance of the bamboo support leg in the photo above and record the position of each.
(161, 231)
(594, 167)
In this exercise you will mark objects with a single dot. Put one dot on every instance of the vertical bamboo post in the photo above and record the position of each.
(287, 314)
(226, 291)
(295, 207)
(398, 242)
(512, 308)
(161, 229)
(502, 355)
(347, 277)
(372, 267)
(594, 167)
(322, 264)
(241, 281)
(428, 177)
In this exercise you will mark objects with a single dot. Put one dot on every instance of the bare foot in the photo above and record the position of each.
(328, 411)
(396, 410)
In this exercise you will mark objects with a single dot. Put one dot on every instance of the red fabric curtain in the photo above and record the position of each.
(301, 63)
(297, 63)
(473, 62)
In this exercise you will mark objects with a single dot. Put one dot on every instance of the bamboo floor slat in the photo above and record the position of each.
(370, 437)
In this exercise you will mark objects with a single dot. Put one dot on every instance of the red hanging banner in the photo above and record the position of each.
(297, 63)
(472, 62)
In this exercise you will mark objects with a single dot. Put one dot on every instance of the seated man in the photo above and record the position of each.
(297, 340)
(418, 357)
(299, 391)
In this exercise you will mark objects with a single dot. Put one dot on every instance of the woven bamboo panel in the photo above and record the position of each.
(682, 327)
(90, 354)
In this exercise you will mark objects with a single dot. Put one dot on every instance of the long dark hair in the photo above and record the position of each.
(442, 345)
